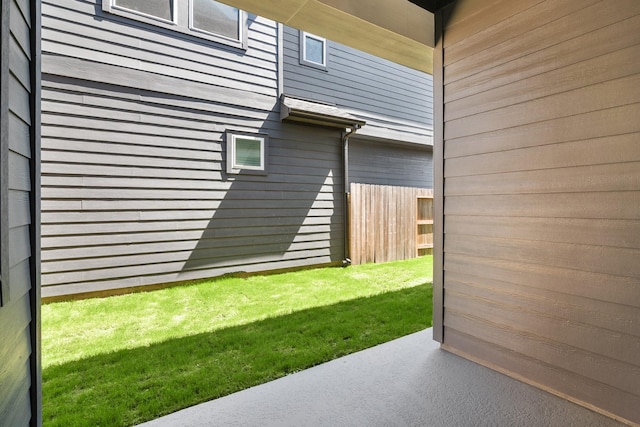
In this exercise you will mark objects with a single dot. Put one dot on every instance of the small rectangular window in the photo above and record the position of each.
(216, 18)
(247, 153)
(313, 50)
(162, 9)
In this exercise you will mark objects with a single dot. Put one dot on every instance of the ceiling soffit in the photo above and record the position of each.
(397, 30)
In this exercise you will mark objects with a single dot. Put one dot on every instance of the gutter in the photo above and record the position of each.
(316, 113)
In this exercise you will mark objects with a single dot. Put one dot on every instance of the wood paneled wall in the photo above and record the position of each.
(541, 161)
(384, 225)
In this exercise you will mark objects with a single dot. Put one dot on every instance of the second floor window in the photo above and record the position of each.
(161, 9)
(215, 18)
(313, 50)
(206, 19)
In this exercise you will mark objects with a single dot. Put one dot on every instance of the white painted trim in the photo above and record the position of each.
(233, 167)
(280, 58)
(303, 53)
(111, 7)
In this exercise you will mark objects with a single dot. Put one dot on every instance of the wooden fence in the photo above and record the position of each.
(389, 223)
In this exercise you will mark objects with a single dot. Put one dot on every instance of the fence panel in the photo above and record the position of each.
(389, 223)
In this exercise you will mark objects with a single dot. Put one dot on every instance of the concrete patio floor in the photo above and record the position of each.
(406, 382)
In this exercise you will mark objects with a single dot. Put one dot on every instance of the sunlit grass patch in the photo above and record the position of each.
(126, 359)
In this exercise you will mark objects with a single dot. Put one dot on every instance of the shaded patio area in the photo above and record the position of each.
(405, 382)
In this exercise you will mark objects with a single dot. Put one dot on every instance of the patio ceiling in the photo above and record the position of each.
(397, 30)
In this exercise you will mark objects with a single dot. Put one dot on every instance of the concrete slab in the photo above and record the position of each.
(406, 382)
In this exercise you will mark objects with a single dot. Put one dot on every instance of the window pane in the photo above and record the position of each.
(314, 50)
(159, 8)
(248, 152)
(217, 18)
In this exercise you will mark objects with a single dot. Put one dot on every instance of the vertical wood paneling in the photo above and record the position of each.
(384, 222)
(541, 196)
(424, 220)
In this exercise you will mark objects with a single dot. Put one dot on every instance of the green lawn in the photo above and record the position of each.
(127, 359)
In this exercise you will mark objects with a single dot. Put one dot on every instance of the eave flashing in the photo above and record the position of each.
(317, 113)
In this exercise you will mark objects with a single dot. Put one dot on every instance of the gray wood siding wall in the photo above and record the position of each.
(16, 348)
(542, 194)
(135, 190)
(395, 100)
(385, 164)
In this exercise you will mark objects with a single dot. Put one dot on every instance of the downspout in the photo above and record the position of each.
(280, 60)
(345, 173)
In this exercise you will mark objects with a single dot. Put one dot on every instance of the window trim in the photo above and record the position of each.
(111, 7)
(303, 51)
(232, 168)
(182, 23)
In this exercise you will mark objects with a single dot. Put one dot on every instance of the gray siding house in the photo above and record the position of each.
(165, 157)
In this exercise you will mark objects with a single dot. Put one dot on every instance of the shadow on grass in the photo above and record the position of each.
(131, 386)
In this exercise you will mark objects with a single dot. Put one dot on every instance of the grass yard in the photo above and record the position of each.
(123, 360)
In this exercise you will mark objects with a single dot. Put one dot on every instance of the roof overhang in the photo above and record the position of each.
(397, 30)
(317, 113)
(432, 5)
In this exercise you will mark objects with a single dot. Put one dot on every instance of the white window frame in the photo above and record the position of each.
(233, 167)
(182, 22)
(303, 50)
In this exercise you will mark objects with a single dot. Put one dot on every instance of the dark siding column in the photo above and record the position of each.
(19, 182)
(36, 365)
(4, 155)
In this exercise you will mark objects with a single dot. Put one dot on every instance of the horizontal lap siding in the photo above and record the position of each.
(542, 194)
(395, 101)
(375, 163)
(15, 312)
(134, 183)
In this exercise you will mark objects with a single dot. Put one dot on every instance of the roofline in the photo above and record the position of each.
(432, 5)
(318, 113)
